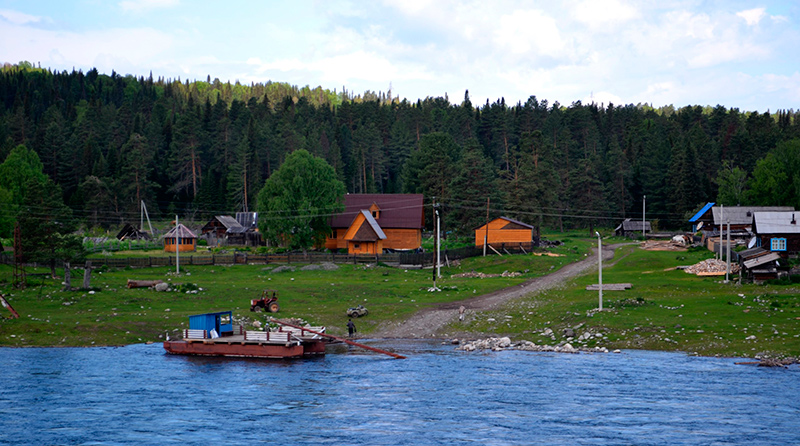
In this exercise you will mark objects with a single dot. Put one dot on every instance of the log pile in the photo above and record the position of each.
(479, 275)
(663, 245)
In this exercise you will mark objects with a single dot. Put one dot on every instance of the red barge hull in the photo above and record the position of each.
(217, 347)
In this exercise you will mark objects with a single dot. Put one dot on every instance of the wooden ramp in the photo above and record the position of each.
(609, 287)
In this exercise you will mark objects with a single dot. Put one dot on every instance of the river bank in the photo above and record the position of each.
(665, 309)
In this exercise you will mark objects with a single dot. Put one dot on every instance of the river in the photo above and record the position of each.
(139, 395)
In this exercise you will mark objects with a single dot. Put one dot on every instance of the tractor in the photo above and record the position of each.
(267, 302)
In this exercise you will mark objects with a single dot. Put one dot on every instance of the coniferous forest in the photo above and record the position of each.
(205, 148)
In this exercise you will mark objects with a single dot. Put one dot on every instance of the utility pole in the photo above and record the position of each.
(600, 267)
(728, 253)
(721, 230)
(434, 240)
(644, 205)
(438, 245)
(486, 236)
(177, 247)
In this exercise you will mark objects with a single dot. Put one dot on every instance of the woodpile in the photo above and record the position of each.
(663, 245)
(711, 267)
(479, 275)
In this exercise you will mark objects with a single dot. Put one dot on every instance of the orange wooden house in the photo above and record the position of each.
(180, 238)
(372, 223)
(504, 230)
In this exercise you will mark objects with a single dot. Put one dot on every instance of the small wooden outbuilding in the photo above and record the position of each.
(128, 232)
(505, 230)
(632, 228)
(180, 238)
(365, 235)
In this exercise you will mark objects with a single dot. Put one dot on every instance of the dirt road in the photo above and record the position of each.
(428, 322)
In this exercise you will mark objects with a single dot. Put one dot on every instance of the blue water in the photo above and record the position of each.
(139, 395)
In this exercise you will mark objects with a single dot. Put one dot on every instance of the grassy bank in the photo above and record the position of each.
(666, 309)
(112, 314)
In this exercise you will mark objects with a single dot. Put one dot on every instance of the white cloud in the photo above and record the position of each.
(525, 32)
(113, 49)
(604, 98)
(18, 18)
(601, 13)
(140, 6)
(752, 16)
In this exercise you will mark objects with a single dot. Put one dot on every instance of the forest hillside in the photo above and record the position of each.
(205, 148)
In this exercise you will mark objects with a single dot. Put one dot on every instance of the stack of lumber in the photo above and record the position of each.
(711, 267)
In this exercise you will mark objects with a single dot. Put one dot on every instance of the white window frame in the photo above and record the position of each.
(777, 244)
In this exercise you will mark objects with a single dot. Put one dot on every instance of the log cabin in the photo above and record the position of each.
(504, 230)
(399, 217)
(777, 231)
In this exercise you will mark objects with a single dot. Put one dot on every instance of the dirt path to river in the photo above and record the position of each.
(428, 323)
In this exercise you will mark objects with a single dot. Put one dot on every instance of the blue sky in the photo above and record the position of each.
(740, 54)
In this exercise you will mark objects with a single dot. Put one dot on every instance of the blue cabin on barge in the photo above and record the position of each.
(221, 323)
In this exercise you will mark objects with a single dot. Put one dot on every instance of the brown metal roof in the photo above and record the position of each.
(400, 211)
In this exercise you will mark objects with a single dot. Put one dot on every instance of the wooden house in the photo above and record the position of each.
(365, 236)
(632, 228)
(712, 218)
(219, 225)
(777, 231)
(504, 230)
(180, 238)
(399, 218)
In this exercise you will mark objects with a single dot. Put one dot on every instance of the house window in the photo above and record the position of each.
(334, 233)
(777, 244)
(374, 214)
(356, 246)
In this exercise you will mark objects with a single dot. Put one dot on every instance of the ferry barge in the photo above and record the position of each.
(213, 334)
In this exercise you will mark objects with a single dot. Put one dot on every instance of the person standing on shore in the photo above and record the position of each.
(461, 311)
(351, 327)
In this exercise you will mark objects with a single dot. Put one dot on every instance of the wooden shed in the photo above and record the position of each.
(504, 230)
(180, 238)
(632, 228)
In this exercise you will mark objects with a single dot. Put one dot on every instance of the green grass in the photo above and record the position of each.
(666, 309)
(116, 315)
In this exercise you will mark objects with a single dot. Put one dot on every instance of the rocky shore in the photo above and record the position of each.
(505, 343)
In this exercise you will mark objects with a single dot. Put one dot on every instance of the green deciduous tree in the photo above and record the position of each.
(776, 178)
(297, 200)
(732, 182)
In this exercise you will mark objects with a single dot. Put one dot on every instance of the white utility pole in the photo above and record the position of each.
(600, 266)
(438, 246)
(644, 204)
(177, 248)
(721, 229)
(728, 254)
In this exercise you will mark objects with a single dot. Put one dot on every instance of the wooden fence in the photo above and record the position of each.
(397, 259)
